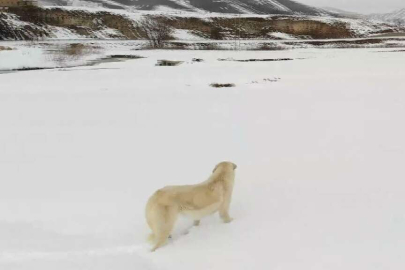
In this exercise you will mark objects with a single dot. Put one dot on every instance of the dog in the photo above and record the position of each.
(194, 201)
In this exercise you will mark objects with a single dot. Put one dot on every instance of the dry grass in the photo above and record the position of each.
(72, 52)
(168, 63)
(221, 85)
(77, 49)
(270, 47)
(3, 48)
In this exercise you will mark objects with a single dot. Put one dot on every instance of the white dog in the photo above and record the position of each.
(195, 201)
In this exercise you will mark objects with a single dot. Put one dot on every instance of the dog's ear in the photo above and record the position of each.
(234, 166)
(216, 167)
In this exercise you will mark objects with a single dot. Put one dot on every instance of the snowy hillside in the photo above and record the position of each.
(224, 6)
(397, 17)
(343, 13)
(318, 141)
(101, 23)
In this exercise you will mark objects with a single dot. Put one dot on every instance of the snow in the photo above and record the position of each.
(277, 5)
(166, 9)
(22, 57)
(397, 16)
(80, 3)
(15, 22)
(186, 35)
(185, 4)
(113, 3)
(107, 33)
(64, 33)
(281, 35)
(33, 55)
(318, 142)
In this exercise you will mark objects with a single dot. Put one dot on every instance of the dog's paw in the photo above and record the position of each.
(228, 220)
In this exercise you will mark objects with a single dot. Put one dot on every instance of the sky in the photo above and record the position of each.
(361, 6)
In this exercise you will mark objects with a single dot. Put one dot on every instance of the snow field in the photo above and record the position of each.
(318, 142)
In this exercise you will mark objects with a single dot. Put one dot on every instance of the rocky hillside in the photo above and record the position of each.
(225, 6)
(40, 23)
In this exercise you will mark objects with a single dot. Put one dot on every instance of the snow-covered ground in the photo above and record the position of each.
(62, 53)
(318, 141)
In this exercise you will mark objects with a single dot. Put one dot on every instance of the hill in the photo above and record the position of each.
(396, 17)
(286, 7)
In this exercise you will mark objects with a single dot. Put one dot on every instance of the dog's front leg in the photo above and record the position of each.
(224, 208)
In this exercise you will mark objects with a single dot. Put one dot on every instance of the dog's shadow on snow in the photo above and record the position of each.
(185, 227)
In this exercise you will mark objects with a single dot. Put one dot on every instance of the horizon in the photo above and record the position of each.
(359, 6)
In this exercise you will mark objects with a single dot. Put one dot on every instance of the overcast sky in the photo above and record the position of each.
(361, 6)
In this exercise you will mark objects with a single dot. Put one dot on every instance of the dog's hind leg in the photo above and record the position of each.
(168, 217)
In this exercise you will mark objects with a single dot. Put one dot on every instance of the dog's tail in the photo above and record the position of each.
(151, 238)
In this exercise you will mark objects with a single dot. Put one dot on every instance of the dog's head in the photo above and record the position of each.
(225, 164)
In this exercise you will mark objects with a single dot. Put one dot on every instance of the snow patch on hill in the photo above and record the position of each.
(279, 35)
(185, 35)
(396, 17)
